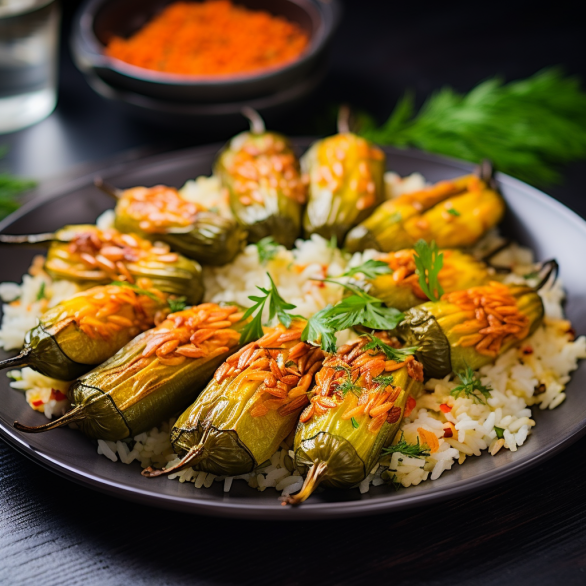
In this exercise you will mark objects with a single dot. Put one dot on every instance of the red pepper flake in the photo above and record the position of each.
(448, 431)
(57, 395)
(37, 403)
(411, 402)
(445, 408)
(527, 350)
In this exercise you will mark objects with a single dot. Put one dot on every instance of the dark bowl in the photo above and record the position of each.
(98, 20)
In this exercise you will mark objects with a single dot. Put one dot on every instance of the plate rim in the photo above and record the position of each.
(321, 510)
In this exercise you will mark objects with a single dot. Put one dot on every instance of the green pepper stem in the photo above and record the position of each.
(16, 361)
(74, 415)
(27, 239)
(188, 460)
(107, 188)
(315, 475)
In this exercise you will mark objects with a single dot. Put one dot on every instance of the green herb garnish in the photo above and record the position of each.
(397, 354)
(383, 381)
(370, 269)
(41, 293)
(10, 188)
(471, 387)
(347, 385)
(429, 262)
(176, 305)
(278, 308)
(500, 432)
(532, 275)
(135, 288)
(355, 423)
(267, 249)
(413, 450)
(360, 308)
(454, 212)
(527, 128)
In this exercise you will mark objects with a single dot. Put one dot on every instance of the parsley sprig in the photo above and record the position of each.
(471, 387)
(360, 308)
(397, 354)
(370, 269)
(278, 308)
(429, 262)
(403, 447)
(267, 249)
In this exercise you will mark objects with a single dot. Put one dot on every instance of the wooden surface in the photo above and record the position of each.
(531, 530)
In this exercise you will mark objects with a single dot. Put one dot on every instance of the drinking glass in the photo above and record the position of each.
(29, 36)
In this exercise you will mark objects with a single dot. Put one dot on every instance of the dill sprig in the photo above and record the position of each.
(403, 447)
(347, 385)
(527, 128)
(471, 387)
(370, 269)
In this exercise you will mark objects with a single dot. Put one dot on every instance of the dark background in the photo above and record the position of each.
(529, 531)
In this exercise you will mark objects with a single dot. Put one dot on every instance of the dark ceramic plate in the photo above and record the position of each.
(73, 456)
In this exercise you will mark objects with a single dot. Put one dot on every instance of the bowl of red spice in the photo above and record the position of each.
(206, 51)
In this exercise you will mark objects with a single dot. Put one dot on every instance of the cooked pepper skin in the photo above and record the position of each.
(436, 328)
(401, 222)
(154, 376)
(73, 252)
(135, 393)
(266, 192)
(344, 452)
(160, 214)
(71, 339)
(346, 183)
(238, 423)
(401, 289)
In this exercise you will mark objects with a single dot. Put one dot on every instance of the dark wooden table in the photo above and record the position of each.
(530, 531)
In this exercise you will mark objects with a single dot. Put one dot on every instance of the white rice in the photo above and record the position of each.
(519, 380)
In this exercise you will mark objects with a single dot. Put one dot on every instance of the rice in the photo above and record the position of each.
(533, 375)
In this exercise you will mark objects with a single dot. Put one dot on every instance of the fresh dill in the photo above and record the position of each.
(429, 262)
(454, 212)
(528, 127)
(403, 447)
(471, 386)
(500, 432)
(383, 381)
(355, 423)
(347, 385)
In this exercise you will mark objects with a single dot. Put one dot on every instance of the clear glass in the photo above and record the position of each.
(29, 36)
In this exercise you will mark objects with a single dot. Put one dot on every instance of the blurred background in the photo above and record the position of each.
(380, 50)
